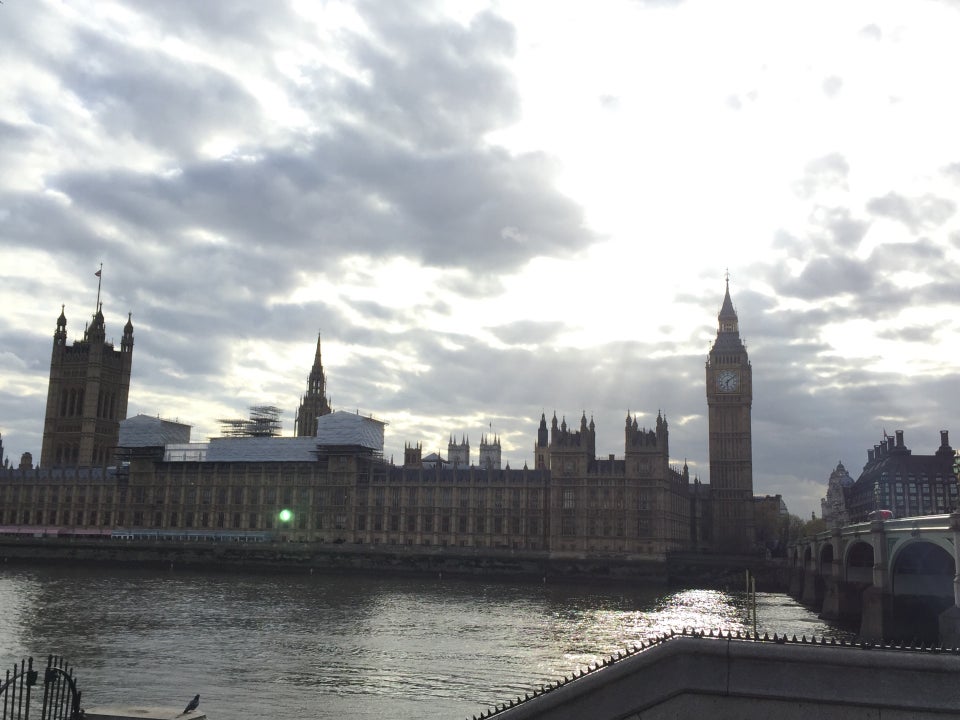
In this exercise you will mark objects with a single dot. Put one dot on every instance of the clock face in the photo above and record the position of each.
(728, 380)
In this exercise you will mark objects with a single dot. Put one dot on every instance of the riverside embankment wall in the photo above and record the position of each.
(687, 676)
(683, 570)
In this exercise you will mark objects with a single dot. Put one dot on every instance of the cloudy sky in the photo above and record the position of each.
(492, 210)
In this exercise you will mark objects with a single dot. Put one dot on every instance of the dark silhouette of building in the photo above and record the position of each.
(729, 399)
(908, 485)
(87, 395)
(315, 402)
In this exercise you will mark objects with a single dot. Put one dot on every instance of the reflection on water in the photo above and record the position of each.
(326, 646)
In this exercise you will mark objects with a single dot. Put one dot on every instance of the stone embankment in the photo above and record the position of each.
(311, 557)
(686, 570)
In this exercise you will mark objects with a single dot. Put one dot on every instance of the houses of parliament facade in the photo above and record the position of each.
(103, 474)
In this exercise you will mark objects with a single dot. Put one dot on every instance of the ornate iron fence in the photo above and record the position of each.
(61, 698)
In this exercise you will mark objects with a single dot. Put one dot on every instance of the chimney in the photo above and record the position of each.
(899, 434)
(944, 438)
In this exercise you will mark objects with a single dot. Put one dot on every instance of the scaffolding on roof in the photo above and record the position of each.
(264, 421)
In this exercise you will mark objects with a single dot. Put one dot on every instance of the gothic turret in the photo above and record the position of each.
(315, 402)
(542, 435)
(60, 335)
(126, 345)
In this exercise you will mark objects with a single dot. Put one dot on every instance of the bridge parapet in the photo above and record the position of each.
(897, 575)
(694, 673)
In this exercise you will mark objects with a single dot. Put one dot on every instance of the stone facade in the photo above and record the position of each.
(571, 501)
(86, 396)
(729, 398)
(833, 508)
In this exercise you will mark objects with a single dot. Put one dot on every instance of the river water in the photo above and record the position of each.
(331, 646)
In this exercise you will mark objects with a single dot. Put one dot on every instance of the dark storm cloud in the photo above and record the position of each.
(927, 211)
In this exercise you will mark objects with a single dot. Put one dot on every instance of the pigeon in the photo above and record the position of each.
(192, 705)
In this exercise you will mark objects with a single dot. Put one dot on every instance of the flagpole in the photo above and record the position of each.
(99, 275)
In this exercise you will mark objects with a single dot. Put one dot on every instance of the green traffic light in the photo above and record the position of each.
(285, 515)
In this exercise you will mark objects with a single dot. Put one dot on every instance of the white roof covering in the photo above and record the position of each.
(186, 452)
(262, 449)
(345, 428)
(148, 431)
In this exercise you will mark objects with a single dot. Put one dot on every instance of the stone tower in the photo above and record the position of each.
(315, 402)
(459, 453)
(86, 396)
(490, 452)
(729, 398)
(541, 451)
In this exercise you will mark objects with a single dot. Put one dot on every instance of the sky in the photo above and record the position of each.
(493, 210)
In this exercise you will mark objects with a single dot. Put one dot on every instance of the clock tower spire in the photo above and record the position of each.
(729, 399)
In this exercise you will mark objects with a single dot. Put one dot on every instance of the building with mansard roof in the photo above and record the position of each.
(896, 479)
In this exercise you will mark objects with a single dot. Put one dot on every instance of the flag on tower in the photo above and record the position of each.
(97, 273)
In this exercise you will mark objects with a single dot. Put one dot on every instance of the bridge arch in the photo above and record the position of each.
(859, 561)
(825, 559)
(921, 582)
(921, 566)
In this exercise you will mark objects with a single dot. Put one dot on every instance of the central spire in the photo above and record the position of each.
(728, 316)
(315, 403)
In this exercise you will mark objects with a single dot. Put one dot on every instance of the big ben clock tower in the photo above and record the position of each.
(729, 397)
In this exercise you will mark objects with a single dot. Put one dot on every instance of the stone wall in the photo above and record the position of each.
(693, 675)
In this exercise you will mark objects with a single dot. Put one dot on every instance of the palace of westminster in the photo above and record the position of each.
(101, 473)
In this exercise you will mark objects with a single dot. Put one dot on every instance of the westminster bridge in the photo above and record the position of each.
(897, 578)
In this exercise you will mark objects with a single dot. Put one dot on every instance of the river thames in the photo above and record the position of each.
(332, 646)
